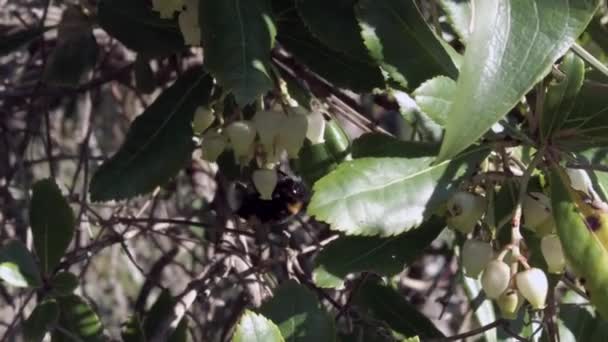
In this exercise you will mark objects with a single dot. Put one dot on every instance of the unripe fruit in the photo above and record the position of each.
(533, 285)
(316, 128)
(242, 136)
(265, 181)
(509, 303)
(476, 255)
(212, 145)
(579, 180)
(292, 133)
(495, 278)
(465, 209)
(553, 253)
(203, 118)
(536, 208)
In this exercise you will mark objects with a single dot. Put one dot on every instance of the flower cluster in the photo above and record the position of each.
(267, 137)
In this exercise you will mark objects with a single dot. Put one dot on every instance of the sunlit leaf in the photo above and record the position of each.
(459, 16)
(253, 327)
(434, 97)
(387, 196)
(17, 265)
(512, 46)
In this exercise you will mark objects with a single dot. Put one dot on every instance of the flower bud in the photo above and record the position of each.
(292, 133)
(495, 278)
(465, 209)
(212, 145)
(316, 128)
(476, 255)
(203, 118)
(579, 180)
(268, 123)
(509, 303)
(265, 181)
(242, 136)
(553, 253)
(533, 285)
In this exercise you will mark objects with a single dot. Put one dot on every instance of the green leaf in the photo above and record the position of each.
(145, 80)
(459, 16)
(180, 334)
(161, 310)
(587, 124)
(334, 24)
(17, 39)
(383, 256)
(158, 144)
(64, 284)
(579, 322)
(583, 231)
(315, 161)
(132, 330)
(513, 45)
(52, 221)
(381, 145)
(139, 28)
(387, 196)
(71, 60)
(295, 310)
(237, 51)
(79, 319)
(341, 69)
(40, 321)
(384, 303)
(561, 95)
(256, 328)
(434, 97)
(400, 41)
(17, 265)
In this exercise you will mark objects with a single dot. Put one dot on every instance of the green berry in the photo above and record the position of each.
(495, 278)
(203, 118)
(537, 216)
(476, 255)
(509, 303)
(465, 209)
(212, 145)
(533, 285)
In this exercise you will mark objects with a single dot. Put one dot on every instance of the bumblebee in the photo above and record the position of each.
(289, 198)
